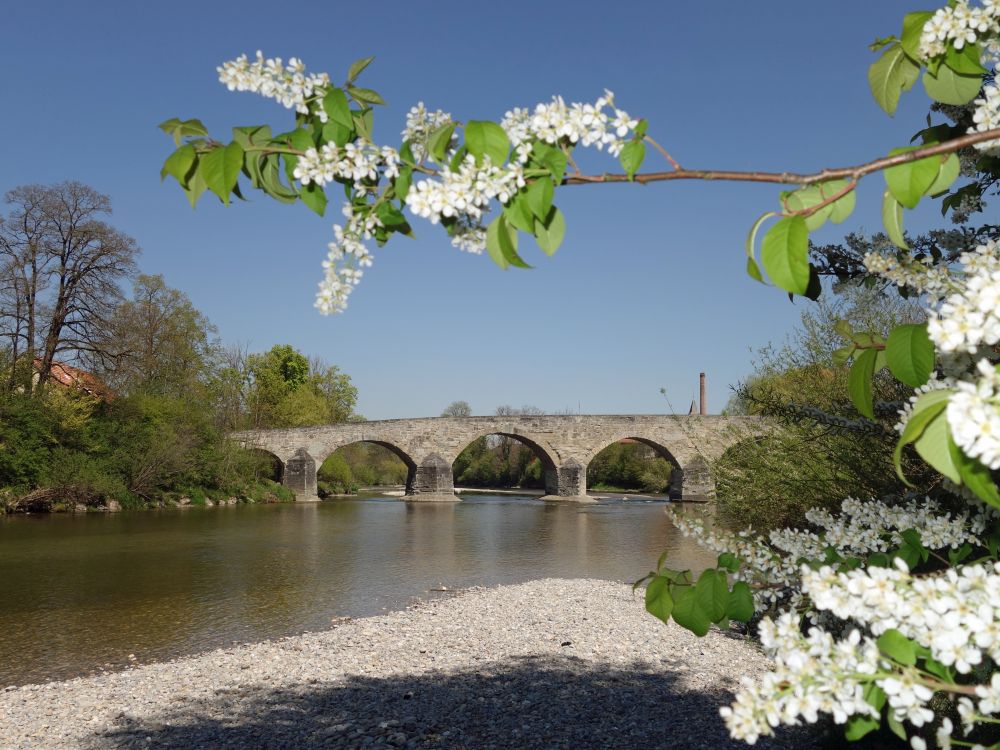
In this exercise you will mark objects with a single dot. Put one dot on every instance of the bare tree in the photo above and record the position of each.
(457, 409)
(60, 265)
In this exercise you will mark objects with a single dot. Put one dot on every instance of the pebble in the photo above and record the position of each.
(553, 664)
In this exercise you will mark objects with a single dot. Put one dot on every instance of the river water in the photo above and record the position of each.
(81, 593)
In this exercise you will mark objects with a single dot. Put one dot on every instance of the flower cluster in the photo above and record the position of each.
(959, 24)
(969, 318)
(465, 193)
(288, 84)
(954, 615)
(921, 276)
(419, 125)
(974, 415)
(812, 674)
(584, 124)
(866, 527)
(346, 259)
(356, 162)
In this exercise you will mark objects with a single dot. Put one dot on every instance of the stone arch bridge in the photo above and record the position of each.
(564, 443)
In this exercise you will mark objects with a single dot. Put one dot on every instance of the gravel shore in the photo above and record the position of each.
(544, 664)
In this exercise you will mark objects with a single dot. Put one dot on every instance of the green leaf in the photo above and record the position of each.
(367, 96)
(753, 271)
(195, 186)
(688, 613)
(357, 66)
(363, 123)
(631, 157)
(895, 725)
(179, 164)
(910, 354)
(859, 382)
(501, 243)
(752, 234)
(892, 218)
(806, 198)
(221, 168)
(659, 603)
(785, 254)
(518, 214)
(843, 355)
(843, 327)
(551, 158)
(928, 406)
(485, 138)
(401, 185)
(947, 174)
(314, 197)
(975, 475)
(437, 143)
(897, 647)
(843, 207)
(965, 61)
(889, 76)
(539, 194)
(713, 594)
(740, 605)
(909, 182)
(270, 181)
(932, 445)
(949, 87)
(338, 109)
(494, 231)
(858, 726)
(338, 133)
(728, 561)
(913, 28)
(550, 233)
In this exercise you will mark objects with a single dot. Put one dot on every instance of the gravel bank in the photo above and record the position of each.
(545, 664)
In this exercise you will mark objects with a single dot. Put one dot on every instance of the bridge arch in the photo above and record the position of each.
(400, 453)
(271, 464)
(661, 451)
(538, 447)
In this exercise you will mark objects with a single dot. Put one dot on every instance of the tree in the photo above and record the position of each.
(61, 264)
(287, 390)
(158, 341)
(457, 409)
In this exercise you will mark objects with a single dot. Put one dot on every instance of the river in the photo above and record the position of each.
(81, 593)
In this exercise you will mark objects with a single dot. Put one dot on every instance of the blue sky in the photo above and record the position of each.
(648, 288)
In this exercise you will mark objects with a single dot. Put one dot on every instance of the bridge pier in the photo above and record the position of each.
(693, 483)
(300, 476)
(567, 482)
(432, 481)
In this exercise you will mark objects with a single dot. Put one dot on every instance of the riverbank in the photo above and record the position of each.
(546, 664)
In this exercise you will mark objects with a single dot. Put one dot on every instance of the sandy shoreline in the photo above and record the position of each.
(549, 664)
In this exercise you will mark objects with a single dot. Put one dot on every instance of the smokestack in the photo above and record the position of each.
(703, 407)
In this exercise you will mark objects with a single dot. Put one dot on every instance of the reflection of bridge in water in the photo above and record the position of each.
(564, 444)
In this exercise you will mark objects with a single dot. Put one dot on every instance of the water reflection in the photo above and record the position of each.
(81, 592)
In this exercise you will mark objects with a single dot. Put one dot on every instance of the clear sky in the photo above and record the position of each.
(648, 288)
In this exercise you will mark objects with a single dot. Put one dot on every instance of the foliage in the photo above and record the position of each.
(285, 389)
(822, 450)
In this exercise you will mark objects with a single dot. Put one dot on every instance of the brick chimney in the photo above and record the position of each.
(703, 406)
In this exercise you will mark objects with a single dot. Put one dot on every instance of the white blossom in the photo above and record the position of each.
(288, 84)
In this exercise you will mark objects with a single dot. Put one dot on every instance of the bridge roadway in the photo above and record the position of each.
(565, 444)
